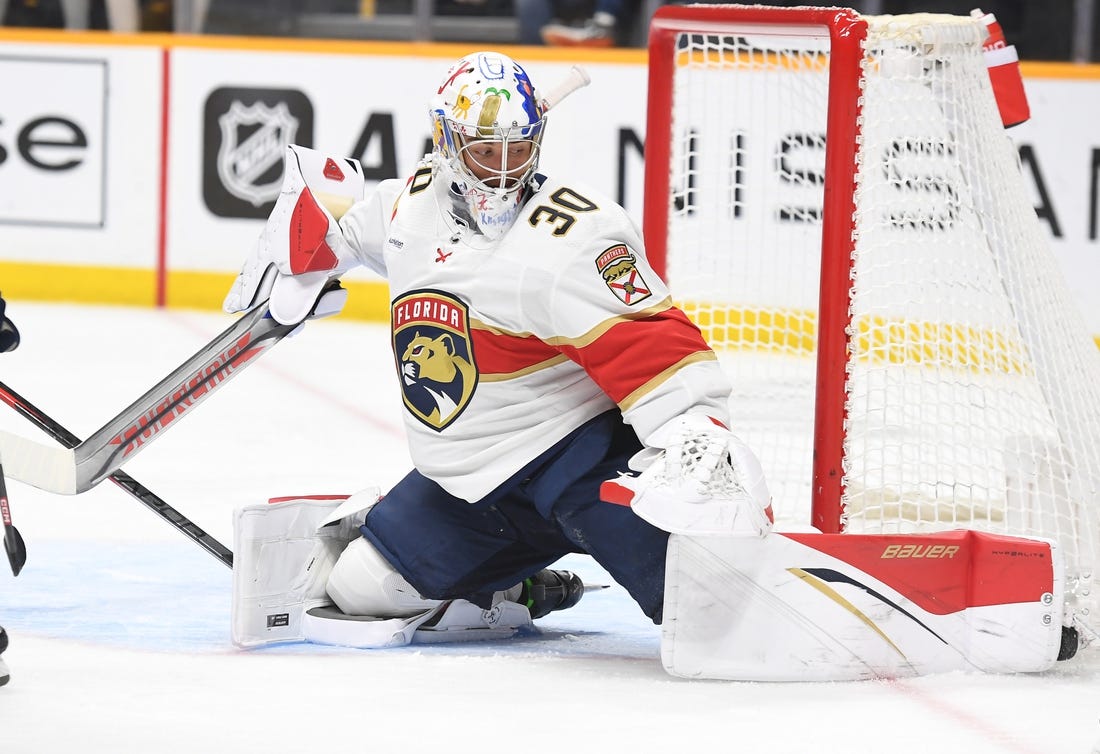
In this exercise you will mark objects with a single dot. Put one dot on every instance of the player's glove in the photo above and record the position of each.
(9, 335)
(301, 248)
(696, 478)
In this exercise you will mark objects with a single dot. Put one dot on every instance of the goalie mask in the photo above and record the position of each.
(487, 126)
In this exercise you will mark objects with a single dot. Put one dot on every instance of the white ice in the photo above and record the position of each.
(119, 625)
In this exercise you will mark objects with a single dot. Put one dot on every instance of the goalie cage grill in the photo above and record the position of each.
(834, 201)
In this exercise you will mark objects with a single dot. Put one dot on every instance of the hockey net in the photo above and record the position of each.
(833, 199)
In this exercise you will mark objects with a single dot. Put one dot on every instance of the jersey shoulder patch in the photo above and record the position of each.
(618, 267)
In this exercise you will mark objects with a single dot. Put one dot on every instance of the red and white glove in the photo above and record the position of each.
(696, 478)
(301, 247)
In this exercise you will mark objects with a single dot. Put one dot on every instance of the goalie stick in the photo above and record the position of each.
(120, 478)
(577, 78)
(79, 468)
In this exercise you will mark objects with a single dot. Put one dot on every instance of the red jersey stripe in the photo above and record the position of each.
(621, 363)
(502, 355)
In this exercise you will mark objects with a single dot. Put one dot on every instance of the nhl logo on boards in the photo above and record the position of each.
(434, 352)
(617, 266)
(245, 135)
(254, 139)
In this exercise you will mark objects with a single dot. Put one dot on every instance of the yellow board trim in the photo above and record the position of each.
(78, 284)
(877, 339)
(738, 328)
(129, 286)
(780, 330)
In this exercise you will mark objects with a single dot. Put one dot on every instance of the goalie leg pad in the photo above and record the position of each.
(364, 583)
(284, 551)
(286, 556)
(797, 607)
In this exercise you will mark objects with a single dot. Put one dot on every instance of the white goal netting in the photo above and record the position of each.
(970, 389)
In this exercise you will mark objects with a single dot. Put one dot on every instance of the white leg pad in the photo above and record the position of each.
(376, 607)
(291, 553)
(363, 583)
(799, 607)
(283, 554)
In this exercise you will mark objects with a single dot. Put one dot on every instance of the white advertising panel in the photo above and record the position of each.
(79, 154)
(55, 137)
(1060, 160)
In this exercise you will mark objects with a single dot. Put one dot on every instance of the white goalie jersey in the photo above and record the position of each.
(504, 348)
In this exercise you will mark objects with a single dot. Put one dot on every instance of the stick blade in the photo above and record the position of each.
(13, 540)
(46, 467)
(15, 548)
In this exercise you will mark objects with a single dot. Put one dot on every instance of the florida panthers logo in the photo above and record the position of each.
(431, 341)
(618, 266)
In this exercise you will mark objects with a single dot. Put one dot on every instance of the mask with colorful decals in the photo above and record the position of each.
(487, 126)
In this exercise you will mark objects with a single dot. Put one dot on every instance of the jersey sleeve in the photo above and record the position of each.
(614, 316)
(366, 224)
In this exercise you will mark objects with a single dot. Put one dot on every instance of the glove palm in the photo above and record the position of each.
(696, 478)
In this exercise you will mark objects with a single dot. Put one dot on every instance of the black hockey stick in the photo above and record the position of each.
(14, 546)
(13, 540)
(123, 480)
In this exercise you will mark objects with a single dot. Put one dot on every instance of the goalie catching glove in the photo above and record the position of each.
(9, 335)
(696, 478)
(302, 248)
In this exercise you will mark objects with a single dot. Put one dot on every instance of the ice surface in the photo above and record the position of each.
(119, 625)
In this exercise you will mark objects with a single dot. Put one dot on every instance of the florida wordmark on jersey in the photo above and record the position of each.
(502, 349)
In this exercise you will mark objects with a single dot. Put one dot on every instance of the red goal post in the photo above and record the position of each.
(834, 201)
(846, 31)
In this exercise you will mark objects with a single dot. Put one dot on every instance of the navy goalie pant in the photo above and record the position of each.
(448, 548)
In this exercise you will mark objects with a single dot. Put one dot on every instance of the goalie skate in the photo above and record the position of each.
(550, 590)
(450, 621)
